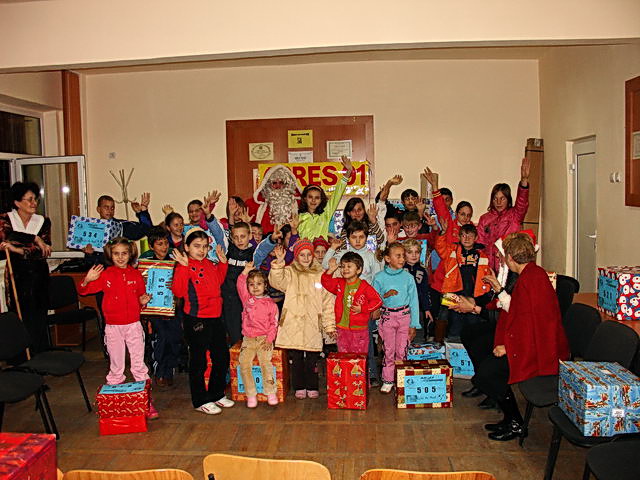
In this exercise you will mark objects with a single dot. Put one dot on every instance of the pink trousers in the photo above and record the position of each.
(353, 341)
(119, 339)
(394, 332)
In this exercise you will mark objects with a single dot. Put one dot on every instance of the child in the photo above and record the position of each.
(320, 247)
(174, 223)
(413, 249)
(355, 301)
(198, 280)
(194, 209)
(166, 338)
(306, 314)
(256, 232)
(411, 202)
(124, 295)
(400, 313)
(259, 327)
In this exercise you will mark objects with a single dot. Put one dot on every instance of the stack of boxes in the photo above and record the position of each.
(619, 292)
(280, 374)
(123, 408)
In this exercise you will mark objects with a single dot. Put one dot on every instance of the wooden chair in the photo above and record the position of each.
(160, 474)
(232, 467)
(387, 474)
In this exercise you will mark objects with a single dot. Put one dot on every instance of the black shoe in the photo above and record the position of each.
(487, 404)
(496, 427)
(512, 431)
(472, 392)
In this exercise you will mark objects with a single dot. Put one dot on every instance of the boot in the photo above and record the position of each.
(472, 392)
(513, 422)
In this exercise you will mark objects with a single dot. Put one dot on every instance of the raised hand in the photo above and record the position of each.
(277, 233)
(280, 253)
(346, 163)
(335, 243)
(392, 235)
(144, 299)
(333, 266)
(247, 268)
(294, 221)
(244, 215)
(431, 177)
(444, 223)
(93, 274)
(372, 213)
(422, 207)
(429, 220)
(167, 209)
(395, 180)
(525, 170)
(135, 206)
(145, 199)
(180, 257)
(221, 255)
(492, 280)
(232, 205)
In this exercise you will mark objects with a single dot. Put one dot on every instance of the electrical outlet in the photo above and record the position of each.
(112, 155)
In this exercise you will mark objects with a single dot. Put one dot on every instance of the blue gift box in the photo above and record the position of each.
(459, 359)
(600, 398)
(426, 351)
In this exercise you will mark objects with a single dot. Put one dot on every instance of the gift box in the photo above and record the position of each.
(27, 456)
(619, 292)
(281, 376)
(347, 383)
(459, 359)
(123, 408)
(426, 351)
(600, 398)
(424, 384)
(118, 425)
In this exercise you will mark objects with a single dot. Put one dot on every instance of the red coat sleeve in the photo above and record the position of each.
(180, 281)
(374, 301)
(92, 287)
(330, 283)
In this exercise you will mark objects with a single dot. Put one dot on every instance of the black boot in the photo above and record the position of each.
(487, 404)
(496, 427)
(513, 422)
(472, 392)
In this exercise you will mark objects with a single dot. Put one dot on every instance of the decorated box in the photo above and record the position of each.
(347, 381)
(158, 277)
(459, 359)
(619, 292)
(426, 351)
(280, 365)
(27, 456)
(95, 231)
(123, 408)
(600, 398)
(424, 384)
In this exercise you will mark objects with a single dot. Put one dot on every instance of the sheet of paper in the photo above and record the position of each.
(338, 148)
(261, 152)
(301, 157)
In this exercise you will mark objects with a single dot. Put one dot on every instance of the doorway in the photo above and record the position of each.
(585, 210)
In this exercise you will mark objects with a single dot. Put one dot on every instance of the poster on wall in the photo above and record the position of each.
(300, 138)
(338, 148)
(261, 152)
(301, 157)
(325, 174)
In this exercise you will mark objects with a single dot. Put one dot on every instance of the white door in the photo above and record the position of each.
(585, 212)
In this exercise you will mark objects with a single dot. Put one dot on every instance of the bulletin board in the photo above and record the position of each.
(298, 141)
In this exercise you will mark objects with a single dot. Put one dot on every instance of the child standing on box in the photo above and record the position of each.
(259, 327)
(198, 280)
(307, 313)
(355, 301)
(124, 295)
(400, 313)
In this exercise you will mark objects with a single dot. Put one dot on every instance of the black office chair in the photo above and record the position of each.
(613, 461)
(62, 293)
(612, 342)
(566, 288)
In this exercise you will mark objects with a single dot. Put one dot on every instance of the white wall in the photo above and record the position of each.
(43, 88)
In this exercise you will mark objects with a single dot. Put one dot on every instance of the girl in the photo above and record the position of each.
(355, 210)
(124, 295)
(174, 223)
(197, 280)
(316, 210)
(259, 327)
(307, 313)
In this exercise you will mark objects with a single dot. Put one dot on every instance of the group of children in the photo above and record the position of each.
(297, 287)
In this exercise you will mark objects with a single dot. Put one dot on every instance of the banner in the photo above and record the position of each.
(325, 175)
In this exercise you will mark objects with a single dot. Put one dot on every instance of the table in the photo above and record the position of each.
(591, 299)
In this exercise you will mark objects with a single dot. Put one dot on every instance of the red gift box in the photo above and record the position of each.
(117, 425)
(347, 383)
(27, 456)
(123, 400)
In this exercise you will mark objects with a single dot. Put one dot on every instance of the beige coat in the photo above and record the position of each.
(307, 312)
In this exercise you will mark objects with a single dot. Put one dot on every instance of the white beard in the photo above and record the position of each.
(280, 204)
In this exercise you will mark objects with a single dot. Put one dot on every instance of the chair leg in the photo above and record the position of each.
(553, 453)
(527, 418)
(84, 335)
(47, 407)
(43, 414)
(587, 471)
(84, 391)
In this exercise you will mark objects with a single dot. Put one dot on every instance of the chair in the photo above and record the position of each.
(386, 474)
(161, 474)
(566, 288)
(232, 467)
(580, 323)
(63, 294)
(611, 342)
(613, 461)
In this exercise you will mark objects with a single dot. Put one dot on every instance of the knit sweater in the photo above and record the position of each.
(402, 282)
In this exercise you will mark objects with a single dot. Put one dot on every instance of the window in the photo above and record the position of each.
(20, 134)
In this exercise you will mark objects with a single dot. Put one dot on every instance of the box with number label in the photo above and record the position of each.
(424, 384)
(459, 360)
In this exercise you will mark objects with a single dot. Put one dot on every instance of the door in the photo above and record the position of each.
(585, 212)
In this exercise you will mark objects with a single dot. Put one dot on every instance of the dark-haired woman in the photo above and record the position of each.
(503, 217)
(27, 237)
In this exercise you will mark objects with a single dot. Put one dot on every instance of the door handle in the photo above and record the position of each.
(594, 236)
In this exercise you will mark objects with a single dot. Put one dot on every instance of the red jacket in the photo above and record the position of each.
(199, 285)
(365, 296)
(448, 278)
(531, 331)
(122, 289)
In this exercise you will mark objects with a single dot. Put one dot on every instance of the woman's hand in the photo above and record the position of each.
(180, 257)
(525, 170)
(464, 305)
(93, 274)
(499, 351)
(11, 247)
(221, 255)
(431, 177)
(44, 248)
(491, 279)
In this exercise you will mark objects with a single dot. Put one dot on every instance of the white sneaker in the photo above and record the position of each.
(209, 408)
(386, 387)
(225, 402)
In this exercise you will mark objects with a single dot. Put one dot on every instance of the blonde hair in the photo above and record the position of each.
(520, 247)
(410, 243)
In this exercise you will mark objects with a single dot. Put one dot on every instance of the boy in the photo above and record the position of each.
(257, 232)
(355, 301)
(410, 199)
(166, 331)
(412, 249)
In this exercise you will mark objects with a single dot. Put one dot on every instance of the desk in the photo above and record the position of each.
(591, 299)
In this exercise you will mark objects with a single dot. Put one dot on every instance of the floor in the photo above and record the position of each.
(347, 442)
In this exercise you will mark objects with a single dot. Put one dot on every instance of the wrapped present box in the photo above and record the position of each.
(424, 384)
(600, 398)
(347, 383)
(27, 456)
(123, 408)
(280, 364)
(426, 351)
(619, 292)
(459, 359)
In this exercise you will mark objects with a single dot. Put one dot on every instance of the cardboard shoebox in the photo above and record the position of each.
(28, 456)
(426, 351)
(600, 398)
(123, 408)
(619, 292)
(459, 359)
(347, 385)
(424, 384)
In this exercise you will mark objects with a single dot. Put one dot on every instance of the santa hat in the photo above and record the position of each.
(499, 243)
(300, 245)
(320, 241)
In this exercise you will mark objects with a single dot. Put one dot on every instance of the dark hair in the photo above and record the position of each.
(105, 198)
(241, 225)
(194, 202)
(353, 257)
(257, 225)
(356, 226)
(285, 229)
(348, 208)
(258, 273)
(303, 208)
(411, 217)
(133, 249)
(155, 234)
(390, 247)
(392, 214)
(197, 234)
(409, 192)
(446, 191)
(505, 190)
(463, 204)
(469, 228)
(20, 189)
(171, 217)
(239, 202)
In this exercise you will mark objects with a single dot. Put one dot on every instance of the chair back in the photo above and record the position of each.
(163, 474)
(580, 323)
(613, 342)
(386, 474)
(232, 467)
(566, 288)
(14, 338)
(62, 292)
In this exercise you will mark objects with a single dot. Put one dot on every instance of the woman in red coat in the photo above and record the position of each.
(529, 339)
